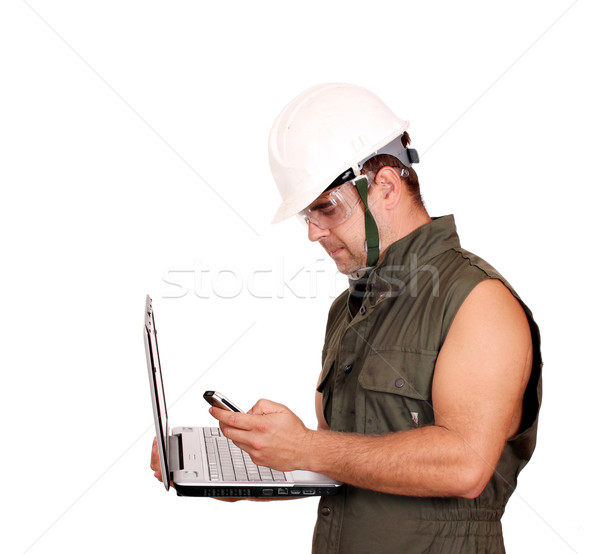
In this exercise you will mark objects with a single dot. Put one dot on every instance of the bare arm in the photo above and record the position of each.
(479, 381)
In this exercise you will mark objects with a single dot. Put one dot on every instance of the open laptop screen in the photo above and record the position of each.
(157, 390)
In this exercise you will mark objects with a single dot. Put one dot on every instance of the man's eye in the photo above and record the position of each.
(330, 210)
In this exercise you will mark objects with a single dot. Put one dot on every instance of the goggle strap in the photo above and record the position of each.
(372, 234)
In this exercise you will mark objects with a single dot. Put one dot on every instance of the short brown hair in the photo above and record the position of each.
(412, 181)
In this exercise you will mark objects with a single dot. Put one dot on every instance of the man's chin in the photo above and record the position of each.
(345, 263)
(346, 268)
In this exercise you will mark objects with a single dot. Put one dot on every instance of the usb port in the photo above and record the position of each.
(308, 492)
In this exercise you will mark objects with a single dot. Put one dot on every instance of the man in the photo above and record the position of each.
(430, 388)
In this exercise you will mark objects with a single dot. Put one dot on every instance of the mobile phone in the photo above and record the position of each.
(216, 399)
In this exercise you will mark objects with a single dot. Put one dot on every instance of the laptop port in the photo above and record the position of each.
(308, 492)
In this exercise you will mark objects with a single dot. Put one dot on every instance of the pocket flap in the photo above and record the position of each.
(399, 372)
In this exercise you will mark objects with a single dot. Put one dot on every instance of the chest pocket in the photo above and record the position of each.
(394, 392)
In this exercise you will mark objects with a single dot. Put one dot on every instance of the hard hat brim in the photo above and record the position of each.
(296, 204)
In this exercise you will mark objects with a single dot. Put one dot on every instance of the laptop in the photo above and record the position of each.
(200, 461)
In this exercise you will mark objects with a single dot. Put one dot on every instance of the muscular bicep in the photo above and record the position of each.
(482, 371)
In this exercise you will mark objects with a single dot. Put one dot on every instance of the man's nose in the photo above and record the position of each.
(315, 232)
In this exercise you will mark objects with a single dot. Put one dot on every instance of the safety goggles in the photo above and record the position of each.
(333, 207)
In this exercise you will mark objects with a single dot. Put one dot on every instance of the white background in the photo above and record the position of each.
(133, 159)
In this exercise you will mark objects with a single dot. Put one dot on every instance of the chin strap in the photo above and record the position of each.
(372, 244)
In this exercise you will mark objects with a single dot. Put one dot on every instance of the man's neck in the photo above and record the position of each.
(412, 219)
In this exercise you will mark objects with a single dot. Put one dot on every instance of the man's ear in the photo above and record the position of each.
(390, 186)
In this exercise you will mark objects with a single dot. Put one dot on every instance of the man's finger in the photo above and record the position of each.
(264, 407)
(233, 419)
(154, 462)
(239, 437)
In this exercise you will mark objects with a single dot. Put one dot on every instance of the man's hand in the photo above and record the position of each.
(155, 461)
(270, 433)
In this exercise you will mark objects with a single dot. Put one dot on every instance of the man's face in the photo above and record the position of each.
(345, 243)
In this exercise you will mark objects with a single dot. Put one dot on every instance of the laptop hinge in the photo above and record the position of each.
(175, 453)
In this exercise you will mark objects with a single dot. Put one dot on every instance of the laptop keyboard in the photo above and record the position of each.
(227, 462)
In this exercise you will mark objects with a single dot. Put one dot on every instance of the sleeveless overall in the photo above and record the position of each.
(378, 363)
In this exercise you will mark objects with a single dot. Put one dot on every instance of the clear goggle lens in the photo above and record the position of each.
(332, 208)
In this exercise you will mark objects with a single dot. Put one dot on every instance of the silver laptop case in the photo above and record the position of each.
(199, 461)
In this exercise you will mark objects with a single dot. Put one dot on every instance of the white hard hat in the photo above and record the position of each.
(320, 134)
